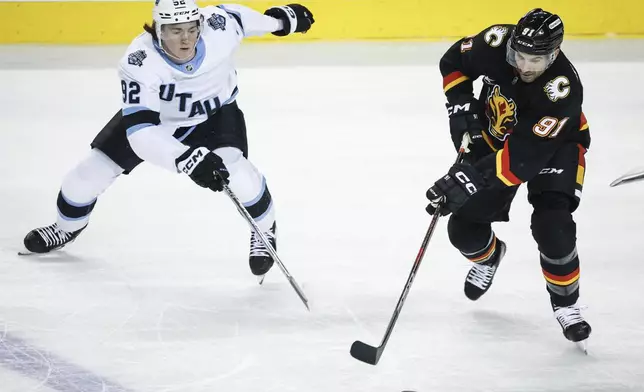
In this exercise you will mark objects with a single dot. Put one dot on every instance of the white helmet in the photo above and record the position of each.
(175, 11)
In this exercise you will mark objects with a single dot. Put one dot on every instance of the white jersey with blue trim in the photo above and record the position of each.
(160, 96)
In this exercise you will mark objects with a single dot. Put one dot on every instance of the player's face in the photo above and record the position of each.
(180, 39)
(530, 66)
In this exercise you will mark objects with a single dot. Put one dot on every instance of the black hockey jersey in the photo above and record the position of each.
(525, 122)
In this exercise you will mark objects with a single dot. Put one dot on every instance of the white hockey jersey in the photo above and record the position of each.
(160, 96)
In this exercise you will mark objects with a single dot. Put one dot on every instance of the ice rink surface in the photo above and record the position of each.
(156, 295)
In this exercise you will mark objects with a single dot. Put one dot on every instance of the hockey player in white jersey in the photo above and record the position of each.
(179, 86)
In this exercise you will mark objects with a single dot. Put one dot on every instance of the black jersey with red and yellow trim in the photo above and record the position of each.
(525, 122)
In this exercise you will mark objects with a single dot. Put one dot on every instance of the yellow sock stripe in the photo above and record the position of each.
(564, 283)
(487, 254)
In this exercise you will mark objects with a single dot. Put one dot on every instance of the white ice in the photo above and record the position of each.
(156, 295)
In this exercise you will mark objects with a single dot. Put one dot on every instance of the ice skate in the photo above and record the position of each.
(260, 259)
(479, 278)
(48, 238)
(573, 325)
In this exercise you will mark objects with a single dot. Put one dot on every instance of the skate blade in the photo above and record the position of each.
(54, 253)
(27, 253)
(583, 346)
(260, 279)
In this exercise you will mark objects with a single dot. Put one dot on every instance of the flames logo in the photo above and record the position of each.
(501, 112)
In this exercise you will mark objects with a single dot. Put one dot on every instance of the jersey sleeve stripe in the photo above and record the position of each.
(233, 95)
(453, 79)
(135, 128)
(235, 15)
(140, 119)
(133, 109)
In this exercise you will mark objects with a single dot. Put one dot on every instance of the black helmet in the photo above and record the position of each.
(539, 32)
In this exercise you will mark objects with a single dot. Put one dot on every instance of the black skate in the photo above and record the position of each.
(260, 260)
(48, 238)
(573, 325)
(479, 279)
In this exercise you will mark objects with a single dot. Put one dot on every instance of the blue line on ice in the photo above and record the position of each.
(56, 373)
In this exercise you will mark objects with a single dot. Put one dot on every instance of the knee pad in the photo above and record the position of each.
(231, 157)
(554, 231)
(81, 187)
(467, 236)
(245, 180)
(249, 186)
(94, 174)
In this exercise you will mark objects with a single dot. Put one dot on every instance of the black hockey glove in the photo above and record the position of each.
(204, 167)
(454, 189)
(296, 18)
(463, 118)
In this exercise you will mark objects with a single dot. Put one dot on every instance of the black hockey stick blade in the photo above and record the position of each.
(365, 353)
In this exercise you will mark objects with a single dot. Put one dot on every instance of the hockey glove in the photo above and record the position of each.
(296, 18)
(454, 189)
(464, 119)
(204, 167)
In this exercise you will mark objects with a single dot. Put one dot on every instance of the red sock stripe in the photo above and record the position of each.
(562, 280)
(486, 255)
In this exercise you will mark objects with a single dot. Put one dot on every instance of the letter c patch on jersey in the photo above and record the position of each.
(558, 88)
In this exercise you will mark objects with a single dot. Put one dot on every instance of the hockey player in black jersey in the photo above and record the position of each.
(526, 126)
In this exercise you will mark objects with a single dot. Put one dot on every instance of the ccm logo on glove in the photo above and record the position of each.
(469, 187)
(189, 164)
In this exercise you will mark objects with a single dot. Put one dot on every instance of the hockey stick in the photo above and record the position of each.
(632, 176)
(369, 354)
(267, 244)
